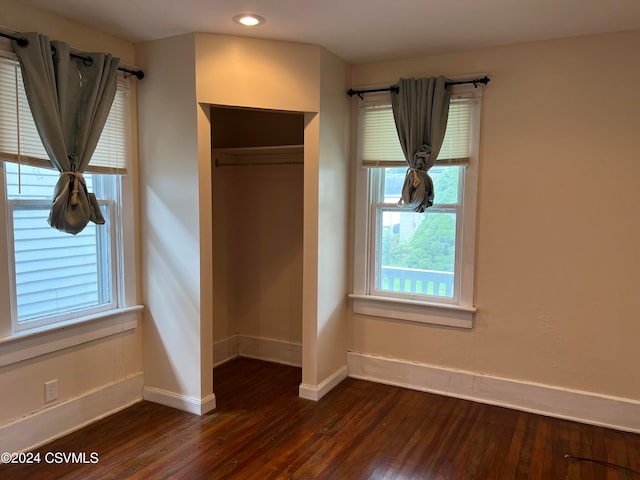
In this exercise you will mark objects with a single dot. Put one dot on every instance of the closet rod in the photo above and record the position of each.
(476, 81)
(254, 164)
(23, 42)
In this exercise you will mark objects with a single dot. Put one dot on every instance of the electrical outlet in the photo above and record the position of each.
(51, 390)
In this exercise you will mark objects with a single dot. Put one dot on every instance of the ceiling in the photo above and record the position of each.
(359, 31)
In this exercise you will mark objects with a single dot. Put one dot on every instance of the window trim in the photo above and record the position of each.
(38, 341)
(414, 311)
(428, 310)
(18, 346)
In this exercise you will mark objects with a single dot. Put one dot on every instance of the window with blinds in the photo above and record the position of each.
(56, 277)
(19, 139)
(404, 256)
(380, 146)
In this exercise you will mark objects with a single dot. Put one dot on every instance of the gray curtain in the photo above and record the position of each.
(70, 100)
(420, 109)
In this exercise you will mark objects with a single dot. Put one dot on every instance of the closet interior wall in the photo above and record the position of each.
(257, 234)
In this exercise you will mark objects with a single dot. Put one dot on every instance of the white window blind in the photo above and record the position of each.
(380, 146)
(19, 139)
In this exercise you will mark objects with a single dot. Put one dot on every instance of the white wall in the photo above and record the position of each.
(174, 360)
(22, 18)
(558, 219)
(91, 368)
(332, 214)
(255, 73)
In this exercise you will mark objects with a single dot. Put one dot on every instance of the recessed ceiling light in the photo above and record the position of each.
(249, 19)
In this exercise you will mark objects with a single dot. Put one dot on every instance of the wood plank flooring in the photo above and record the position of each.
(262, 430)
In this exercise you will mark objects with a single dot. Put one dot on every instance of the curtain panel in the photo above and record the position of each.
(420, 110)
(70, 100)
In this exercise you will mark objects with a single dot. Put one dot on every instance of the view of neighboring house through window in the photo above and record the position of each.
(56, 276)
(56, 273)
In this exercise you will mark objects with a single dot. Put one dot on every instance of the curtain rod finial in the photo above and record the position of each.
(21, 41)
(139, 74)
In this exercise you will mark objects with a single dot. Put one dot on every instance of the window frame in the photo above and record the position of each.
(366, 299)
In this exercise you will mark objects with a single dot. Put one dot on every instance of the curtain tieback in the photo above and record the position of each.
(77, 178)
(420, 160)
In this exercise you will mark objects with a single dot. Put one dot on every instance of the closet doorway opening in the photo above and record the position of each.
(257, 184)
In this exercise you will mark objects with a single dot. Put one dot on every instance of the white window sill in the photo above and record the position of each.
(414, 310)
(51, 338)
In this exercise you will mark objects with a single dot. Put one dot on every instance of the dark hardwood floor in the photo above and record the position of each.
(262, 430)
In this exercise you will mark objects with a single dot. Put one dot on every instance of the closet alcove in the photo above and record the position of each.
(257, 180)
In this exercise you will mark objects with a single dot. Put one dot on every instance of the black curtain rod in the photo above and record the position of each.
(23, 42)
(476, 81)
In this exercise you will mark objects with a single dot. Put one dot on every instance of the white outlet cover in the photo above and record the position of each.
(51, 390)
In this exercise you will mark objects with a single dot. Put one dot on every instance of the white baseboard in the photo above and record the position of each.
(267, 349)
(579, 406)
(181, 402)
(270, 350)
(312, 392)
(63, 418)
(225, 350)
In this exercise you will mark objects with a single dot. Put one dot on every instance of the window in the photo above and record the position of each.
(416, 266)
(55, 277)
